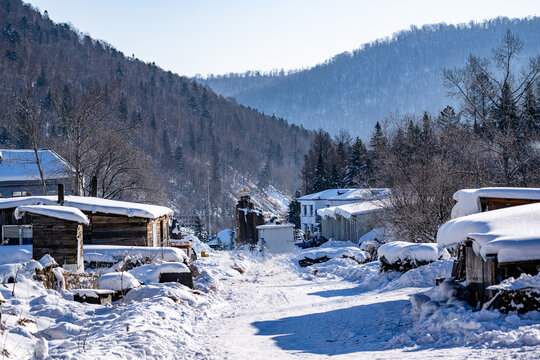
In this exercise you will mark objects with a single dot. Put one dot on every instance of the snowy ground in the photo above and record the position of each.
(255, 308)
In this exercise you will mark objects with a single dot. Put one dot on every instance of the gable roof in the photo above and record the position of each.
(349, 210)
(21, 165)
(348, 194)
(93, 205)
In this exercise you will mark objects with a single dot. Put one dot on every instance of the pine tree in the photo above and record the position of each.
(167, 151)
(378, 144)
(294, 211)
(321, 177)
(531, 112)
(180, 158)
(199, 228)
(505, 110)
(358, 166)
(447, 118)
(264, 176)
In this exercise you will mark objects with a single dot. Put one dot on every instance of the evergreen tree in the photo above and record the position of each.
(531, 112)
(167, 151)
(200, 232)
(505, 110)
(180, 158)
(321, 177)
(264, 176)
(378, 144)
(447, 118)
(294, 210)
(358, 166)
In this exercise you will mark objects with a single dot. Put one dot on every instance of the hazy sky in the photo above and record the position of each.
(219, 36)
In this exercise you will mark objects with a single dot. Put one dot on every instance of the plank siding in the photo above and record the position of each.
(59, 238)
(106, 229)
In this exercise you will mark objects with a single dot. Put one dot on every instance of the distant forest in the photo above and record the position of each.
(147, 134)
(395, 76)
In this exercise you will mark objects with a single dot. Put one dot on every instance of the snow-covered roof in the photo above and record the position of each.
(19, 165)
(325, 195)
(349, 210)
(348, 194)
(513, 234)
(54, 211)
(402, 250)
(93, 205)
(468, 200)
(274, 226)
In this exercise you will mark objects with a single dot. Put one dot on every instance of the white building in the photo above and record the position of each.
(278, 239)
(350, 221)
(309, 204)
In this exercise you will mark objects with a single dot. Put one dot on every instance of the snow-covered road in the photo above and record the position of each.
(247, 306)
(274, 312)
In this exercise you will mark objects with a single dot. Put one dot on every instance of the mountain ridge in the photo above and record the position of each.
(353, 90)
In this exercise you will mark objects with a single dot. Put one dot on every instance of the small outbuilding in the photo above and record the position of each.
(57, 231)
(493, 245)
(276, 238)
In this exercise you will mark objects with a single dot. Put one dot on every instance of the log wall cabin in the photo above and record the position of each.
(111, 222)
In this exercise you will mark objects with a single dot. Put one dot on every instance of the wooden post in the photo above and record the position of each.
(61, 194)
(93, 187)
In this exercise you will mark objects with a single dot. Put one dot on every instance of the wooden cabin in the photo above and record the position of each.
(57, 231)
(111, 222)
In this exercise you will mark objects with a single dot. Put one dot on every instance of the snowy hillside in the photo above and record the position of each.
(401, 73)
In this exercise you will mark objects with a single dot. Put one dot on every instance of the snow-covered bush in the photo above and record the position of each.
(403, 256)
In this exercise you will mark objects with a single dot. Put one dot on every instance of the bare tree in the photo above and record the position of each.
(492, 94)
(82, 115)
(28, 121)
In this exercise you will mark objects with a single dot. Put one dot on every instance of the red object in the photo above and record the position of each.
(182, 244)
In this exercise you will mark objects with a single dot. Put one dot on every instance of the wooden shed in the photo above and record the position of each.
(58, 232)
(497, 235)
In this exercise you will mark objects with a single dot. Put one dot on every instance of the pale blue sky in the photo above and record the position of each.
(212, 36)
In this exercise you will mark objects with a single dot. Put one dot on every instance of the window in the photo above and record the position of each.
(305, 210)
(20, 193)
(310, 210)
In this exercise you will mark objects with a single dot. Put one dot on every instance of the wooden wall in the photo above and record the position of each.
(107, 229)
(480, 274)
(7, 218)
(59, 238)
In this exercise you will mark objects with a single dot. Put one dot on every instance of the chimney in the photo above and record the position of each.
(93, 187)
(61, 194)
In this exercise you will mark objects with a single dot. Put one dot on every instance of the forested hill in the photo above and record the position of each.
(196, 146)
(355, 90)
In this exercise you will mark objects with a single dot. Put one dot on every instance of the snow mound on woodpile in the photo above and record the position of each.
(100, 253)
(369, 277)
(405, 251)
(337, 244)
(522, 282)
(118, 281)
(334, 252)
(513, 234)
(150, 273)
